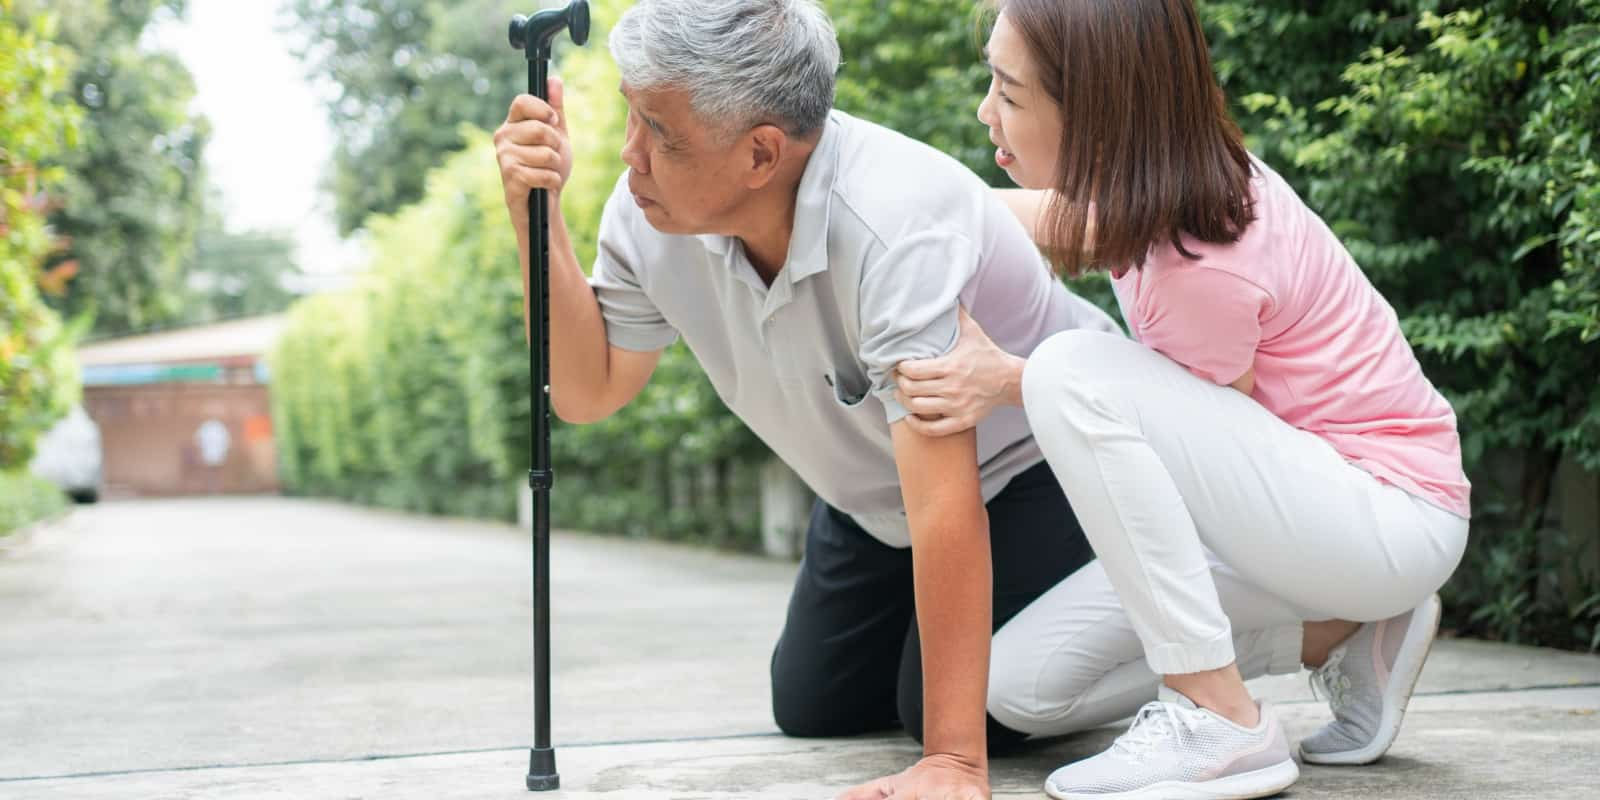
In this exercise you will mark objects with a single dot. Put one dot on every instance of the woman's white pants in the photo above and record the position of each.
(1218, 528)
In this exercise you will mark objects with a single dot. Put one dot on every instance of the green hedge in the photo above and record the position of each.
(26, 499)
(405, 392)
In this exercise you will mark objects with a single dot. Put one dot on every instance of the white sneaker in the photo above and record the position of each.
(1175, 751)
(1368, 681)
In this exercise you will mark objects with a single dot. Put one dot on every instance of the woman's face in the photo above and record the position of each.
(1024, 123)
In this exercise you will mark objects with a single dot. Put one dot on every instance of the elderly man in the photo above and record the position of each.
(802, 254)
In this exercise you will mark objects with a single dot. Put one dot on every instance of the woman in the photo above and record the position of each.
(1269, 434)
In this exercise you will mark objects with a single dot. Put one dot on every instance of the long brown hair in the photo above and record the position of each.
(1147, 136)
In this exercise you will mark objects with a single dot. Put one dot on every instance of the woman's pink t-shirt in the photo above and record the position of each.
(1329, 357)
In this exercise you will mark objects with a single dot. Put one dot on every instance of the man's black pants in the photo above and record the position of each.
(849, 659)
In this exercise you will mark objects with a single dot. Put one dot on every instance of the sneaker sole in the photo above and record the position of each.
(1403, 681)
(1264, 782)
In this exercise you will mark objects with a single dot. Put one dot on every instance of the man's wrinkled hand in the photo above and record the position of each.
(956, 391)
(935, 777)
(534, 150)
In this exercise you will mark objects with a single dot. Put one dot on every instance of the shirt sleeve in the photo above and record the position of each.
(1207, 319)
(908, 303)
(633, 322)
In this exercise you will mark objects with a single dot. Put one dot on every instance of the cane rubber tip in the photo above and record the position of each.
(544, 783)
(542, 776)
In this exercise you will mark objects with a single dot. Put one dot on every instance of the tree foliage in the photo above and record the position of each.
(915, 66)
(132, 194)
(38, 379)
(231, 274)
(409, 73)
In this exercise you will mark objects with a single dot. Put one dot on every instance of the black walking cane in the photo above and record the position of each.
(532, 35)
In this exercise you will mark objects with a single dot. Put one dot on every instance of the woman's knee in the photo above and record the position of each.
(1046, 680)
(1011, 701)
(1063, 365)
(1014, 699)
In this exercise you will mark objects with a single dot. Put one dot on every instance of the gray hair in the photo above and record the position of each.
(741, 61)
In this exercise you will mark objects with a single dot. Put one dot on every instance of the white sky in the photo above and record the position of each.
(270, 136)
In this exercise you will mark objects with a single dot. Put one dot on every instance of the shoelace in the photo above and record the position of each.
(1332, 680)
(1155, 723)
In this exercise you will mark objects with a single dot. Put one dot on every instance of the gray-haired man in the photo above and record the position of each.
(802, 254)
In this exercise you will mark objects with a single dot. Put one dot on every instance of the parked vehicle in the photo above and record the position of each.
(69, 456)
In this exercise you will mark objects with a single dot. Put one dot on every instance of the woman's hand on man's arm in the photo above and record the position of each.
(956, 391)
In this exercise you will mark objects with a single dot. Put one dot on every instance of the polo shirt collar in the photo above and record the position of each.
(808, 242)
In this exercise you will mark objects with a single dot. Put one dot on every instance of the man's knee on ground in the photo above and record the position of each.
(802, 712)
(910, 707)
(803, 720)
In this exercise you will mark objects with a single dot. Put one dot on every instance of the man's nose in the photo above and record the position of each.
(633, 153)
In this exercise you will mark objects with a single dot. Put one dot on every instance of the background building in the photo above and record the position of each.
(152, 395)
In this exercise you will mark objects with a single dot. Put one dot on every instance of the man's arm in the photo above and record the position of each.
(589, 378)
(909, 308)
(953, 581)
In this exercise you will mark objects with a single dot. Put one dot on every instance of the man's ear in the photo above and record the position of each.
(768, 146)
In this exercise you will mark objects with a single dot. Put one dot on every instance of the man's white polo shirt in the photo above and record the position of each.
(889, 237)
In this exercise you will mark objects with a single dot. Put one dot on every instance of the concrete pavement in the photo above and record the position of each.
(246, 648)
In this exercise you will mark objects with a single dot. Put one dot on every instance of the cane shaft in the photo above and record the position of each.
(540, 477)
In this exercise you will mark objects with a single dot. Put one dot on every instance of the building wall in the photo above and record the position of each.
(147, 436)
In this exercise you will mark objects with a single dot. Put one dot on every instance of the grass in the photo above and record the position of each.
(26, 499)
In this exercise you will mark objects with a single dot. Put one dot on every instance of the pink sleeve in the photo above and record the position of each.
(1206, 319)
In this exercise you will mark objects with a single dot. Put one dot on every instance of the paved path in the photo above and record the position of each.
(265, 648)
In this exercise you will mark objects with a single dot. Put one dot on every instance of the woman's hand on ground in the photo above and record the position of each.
(956, 391)
(935, 777)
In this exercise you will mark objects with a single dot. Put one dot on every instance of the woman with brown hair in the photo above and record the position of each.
(1264, 462)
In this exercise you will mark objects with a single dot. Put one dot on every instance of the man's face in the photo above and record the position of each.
(685, 176)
